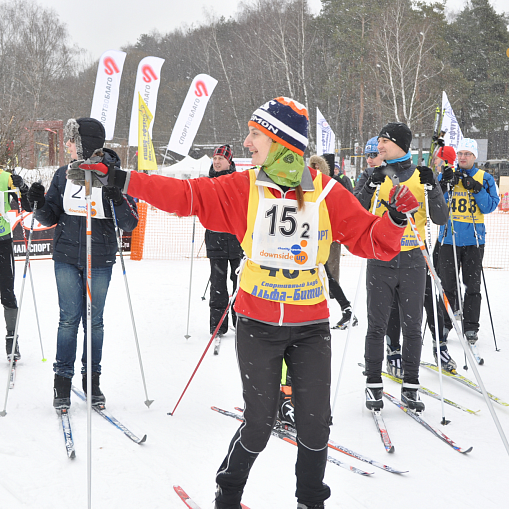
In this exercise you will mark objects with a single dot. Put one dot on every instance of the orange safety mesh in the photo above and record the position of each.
(169, 237)
(138, 235)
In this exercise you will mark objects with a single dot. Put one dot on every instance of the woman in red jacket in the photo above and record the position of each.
(285, 215)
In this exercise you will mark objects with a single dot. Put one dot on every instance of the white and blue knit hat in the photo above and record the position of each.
(285, 121)
(468, 144)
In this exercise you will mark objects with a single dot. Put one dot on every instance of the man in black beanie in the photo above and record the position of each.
(64, 205)
(403, 277)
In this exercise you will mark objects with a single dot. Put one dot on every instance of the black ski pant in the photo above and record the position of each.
(383, 285)
(219, 296)
(394, 325)
(470, 263)
(7, 296)
(261, 349)
(336, 291)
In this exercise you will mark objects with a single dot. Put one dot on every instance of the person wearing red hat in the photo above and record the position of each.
(223, 249)
(285, 215)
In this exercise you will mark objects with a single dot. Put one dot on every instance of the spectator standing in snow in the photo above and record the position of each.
(64, 205)
(323, 165)
(285, 215)
(222, 249)
(473, 194)
(8, 298)
(404, 276)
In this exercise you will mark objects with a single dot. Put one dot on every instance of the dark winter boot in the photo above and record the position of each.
(9, 340)
(300, 505)
(374, 395)
(410, 397)
(98, 397)
(62, 392)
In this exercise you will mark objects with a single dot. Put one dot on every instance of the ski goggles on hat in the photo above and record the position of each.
(371, 155)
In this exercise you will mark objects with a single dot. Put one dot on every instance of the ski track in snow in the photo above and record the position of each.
(186, 449)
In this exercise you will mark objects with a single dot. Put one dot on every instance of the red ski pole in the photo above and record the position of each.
(232, 298)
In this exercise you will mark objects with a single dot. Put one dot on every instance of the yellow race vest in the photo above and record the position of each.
(279, 279)
(463, 203)
(5, 225)
(408, 241)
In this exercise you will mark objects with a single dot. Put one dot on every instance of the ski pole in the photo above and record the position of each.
(463, 341)
(230, 302)
(203, 297)
(354, 307)
(15, 340)
(435, 313)
(88, 200)
(148, 401)
(482, 273)
(187, 336)
(31, 279)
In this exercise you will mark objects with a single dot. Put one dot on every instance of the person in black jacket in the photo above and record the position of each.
(64, 205)
(222, 249)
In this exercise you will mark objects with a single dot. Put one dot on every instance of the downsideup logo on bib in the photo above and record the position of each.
(295, 253)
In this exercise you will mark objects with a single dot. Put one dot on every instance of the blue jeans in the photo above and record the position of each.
(72, 299)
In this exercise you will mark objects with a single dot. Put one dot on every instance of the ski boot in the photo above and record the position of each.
(394, 363)
(345, 320)
(98, 397)
(300, 505)
(410, 397)
(374, 395)
(447, 361)
(62, 392)
(9, 340)
(286, 411)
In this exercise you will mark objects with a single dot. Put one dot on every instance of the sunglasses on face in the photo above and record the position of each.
(372, 155)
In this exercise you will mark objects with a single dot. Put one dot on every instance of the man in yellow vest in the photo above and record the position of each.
(472, 193)
(9, 181)
(403, 277)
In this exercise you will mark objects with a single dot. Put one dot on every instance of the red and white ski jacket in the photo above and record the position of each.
(221, 204)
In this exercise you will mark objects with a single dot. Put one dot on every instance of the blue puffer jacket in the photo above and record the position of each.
(69, 243)
(486, 199)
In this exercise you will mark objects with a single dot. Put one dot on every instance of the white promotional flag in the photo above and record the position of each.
(325, 138)
(450, 126)
(107, 83)
(191, 114)
(148, 79)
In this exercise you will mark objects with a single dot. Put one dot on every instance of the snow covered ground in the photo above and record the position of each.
(187, 448)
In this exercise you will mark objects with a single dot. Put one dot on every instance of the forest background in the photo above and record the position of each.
(362, 63)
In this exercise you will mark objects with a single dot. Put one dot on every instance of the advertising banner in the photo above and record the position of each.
(148, 80)
(106, 92)
(325, 137)
(191, 114)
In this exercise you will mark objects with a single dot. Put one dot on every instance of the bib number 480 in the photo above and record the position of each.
(287, 222)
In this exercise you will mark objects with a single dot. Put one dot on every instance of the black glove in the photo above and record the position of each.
(439, 141)
(470, 184)
(377, 177)
(113, 193)
(17, 181)
(36, 194)
(449, 176)
(426, 176)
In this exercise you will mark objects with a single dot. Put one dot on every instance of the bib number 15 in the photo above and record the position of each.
(287, 223)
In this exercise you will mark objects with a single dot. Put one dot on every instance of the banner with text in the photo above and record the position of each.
(146, 155)
(450, 126)
(148, 79)
(325, 137)
(106, 92)
(191, 114)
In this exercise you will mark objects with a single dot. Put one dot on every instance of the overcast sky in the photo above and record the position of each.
(98, 25)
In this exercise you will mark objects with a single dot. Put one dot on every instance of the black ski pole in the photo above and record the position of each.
(203, 297)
